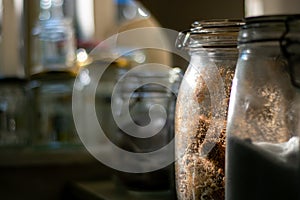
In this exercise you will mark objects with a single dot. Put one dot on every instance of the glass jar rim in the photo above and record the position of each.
(269, 28)
(205, 25)
(212, 33)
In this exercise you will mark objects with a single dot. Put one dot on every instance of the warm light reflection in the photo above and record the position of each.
(190, 78)
(82, 58)
(142, 12)
(82, 55)
(232, 99)
(139, 57)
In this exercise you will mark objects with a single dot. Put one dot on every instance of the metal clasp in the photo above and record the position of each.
(290, 47)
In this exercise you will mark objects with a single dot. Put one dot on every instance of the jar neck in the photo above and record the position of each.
(268, 28)
(210, 34)
(229, 53)
(279, 32)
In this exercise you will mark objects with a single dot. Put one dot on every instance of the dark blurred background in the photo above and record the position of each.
(178, 14)
(50, 174)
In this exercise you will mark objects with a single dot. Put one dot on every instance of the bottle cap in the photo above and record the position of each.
(255, 8)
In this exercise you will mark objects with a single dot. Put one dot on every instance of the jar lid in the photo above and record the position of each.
(210, 33)
(255, 8)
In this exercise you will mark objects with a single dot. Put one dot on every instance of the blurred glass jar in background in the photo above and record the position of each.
(51, 100)
(143, 107)
(120, 49)
(52, 77)
(14, 112)
(201, 108)
(14, 117)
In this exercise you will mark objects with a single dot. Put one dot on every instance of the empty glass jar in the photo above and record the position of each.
(201, 108)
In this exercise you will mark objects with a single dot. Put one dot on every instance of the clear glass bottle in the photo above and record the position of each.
(53, 73)
(53, 39)
(201, 108)
(263, 120)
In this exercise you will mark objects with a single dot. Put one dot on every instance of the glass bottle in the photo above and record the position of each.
(263, 121)
(53, 74)
(201, 108)
(53, 39)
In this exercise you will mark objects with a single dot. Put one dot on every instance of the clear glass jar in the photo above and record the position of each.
(14, 113)
(150, 93)
(51, 100)
(201, 108)
(52, 77)
(263, 120)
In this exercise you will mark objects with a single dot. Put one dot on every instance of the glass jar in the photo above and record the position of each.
(149, 95)
(14, 115)
(201, 108)
(263, 120)
(51, 100)
(52, 77)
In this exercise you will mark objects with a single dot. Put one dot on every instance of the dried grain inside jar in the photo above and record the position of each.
(201, 108)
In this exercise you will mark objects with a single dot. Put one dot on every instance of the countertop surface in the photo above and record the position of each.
(109, 190)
